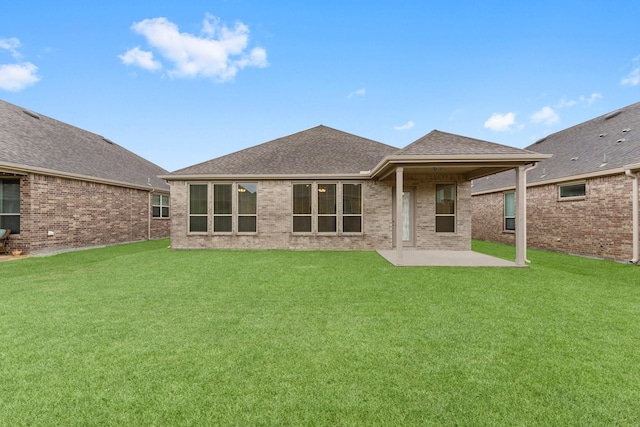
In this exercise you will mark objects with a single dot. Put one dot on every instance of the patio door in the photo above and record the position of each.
(408, 217)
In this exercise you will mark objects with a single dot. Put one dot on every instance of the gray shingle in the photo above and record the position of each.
(34, 140)
(320, 150)
(608, 142)
(438, 143)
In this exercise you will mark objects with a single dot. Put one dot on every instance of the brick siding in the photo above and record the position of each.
(81, 214)
(600, 225)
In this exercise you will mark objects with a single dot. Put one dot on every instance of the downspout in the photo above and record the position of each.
(149, 214)
(526, 171)
(635, 221)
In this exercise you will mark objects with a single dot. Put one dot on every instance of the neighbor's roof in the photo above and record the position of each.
(601, 146)
(317, 151)
(32, 142)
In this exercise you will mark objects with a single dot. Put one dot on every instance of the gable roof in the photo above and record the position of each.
(438, 143)
(32, 142)
(601, 146)
(317, 151)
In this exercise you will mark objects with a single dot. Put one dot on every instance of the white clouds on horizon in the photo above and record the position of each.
(359, 92)
(500, 122)
(410, 124)
(218, 53)
(17, 76)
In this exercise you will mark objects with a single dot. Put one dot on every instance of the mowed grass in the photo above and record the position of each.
(141, 335)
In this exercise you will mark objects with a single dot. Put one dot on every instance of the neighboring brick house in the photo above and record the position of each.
(327, 189)
(583, 200)
(63, 188)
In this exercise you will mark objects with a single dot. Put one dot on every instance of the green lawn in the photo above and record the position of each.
(141, 335)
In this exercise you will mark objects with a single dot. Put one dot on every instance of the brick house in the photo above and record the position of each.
(63, 188)
(583, 200)
(327, 189)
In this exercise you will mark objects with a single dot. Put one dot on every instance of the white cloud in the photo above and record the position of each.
(219, 53)
(546, 115)
(405, 126)
(359, 92)
(592, 99)
(633, 78)
(15, 77)
(140, 58)
(500, 122)
(586, 100)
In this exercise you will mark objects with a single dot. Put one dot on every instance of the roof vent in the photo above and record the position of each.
(620, 140)
(32, 114)
(573, 159)
(544, 173)
(612, 114)
(107, 140)
(604, 161)
(540, 140)
(602, 135)
(625, 130)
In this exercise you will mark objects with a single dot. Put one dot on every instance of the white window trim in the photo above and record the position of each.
(504, 212)
(189, 214)
(455, 209)
(168, 206)
(569, 184)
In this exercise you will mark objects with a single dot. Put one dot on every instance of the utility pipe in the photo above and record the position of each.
(635, 221)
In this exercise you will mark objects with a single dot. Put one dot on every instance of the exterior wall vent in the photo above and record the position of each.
(31, 113)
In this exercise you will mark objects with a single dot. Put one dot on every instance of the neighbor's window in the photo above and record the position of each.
(302, 208)
(445, 208)
(160, 205)
(327, 214)
(352, 208)
(10, 204)
(574, 190)
(247, 207)
(222, 208)
(198, 205)
(510, 211)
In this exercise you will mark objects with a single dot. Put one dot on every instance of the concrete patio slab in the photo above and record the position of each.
(417, 258)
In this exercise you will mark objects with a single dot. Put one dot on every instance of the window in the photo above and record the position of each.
(510, 211)
(445, 208)
(222, 208)
(160, 205)
(316, 208)
(570, 191)
(10, 204)
(198, 206)
(352, 208)
(301, 208)
(327, 213)
(247, 207)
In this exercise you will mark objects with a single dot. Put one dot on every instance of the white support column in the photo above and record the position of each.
(521, 216)
(399, 214)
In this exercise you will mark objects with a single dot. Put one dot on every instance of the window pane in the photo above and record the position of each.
(10, 196)
(197, 224)
(445, 198)
(302, 199)
(247, 198)
(165, 212)
(155, 199)
(165, 200)
(352, 224)
(445, 224)
(326, 224)
(510, 224)
(326, 199)
(198, 199)
(156, 211)
(352, 198)
(222, 203)
(302, 224)
(247, 224)
(573, 190)
(509, 204)
(222, 224)
(12, 222)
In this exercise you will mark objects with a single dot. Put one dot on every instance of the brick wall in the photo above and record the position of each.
(81, 214)
(600, 225)
(275, 219)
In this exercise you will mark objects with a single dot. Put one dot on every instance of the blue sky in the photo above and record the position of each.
(183, 82)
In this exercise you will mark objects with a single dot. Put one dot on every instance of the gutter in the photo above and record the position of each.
(636, 224)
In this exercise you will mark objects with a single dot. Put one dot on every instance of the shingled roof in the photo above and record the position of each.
(600, 146)
(33, 142)
(438, 143)
(317, 151)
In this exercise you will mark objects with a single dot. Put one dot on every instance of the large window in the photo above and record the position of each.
(10, 204)
(160, 205)
(198, 208)
(572, 191)
(234, 207)
(445, 208)
(510, 211)
(316, 208)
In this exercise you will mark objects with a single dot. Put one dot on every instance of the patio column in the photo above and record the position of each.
(399, 214)
(521, 216)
